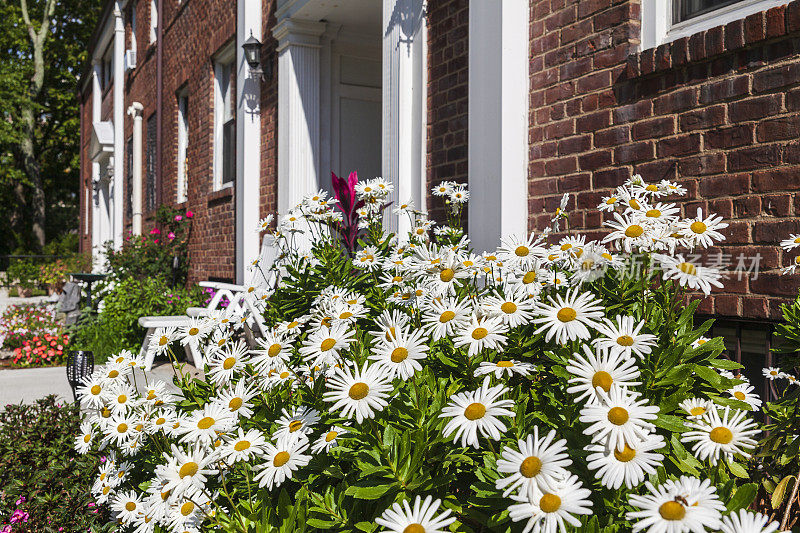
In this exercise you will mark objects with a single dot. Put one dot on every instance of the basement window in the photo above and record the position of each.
(664, 21)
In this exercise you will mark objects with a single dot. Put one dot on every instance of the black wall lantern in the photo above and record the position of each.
(252, 54)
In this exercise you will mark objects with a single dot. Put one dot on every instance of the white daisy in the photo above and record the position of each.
(600, 370)
(242, 446)
(568, 318)
(401, 354)
(481, 334)
(625, 337)
(723, 436)
(446, 315)
(328, 439)
(126, 505)
(744, 393)
(629, 466)
(631, 232)
(747, 522)
(701, 231)
(474, 411)
(204, 425)
(91, 392)
(323, 346)
(299, 421)
(237, 399)
(84, 439)
(550, 510)
(421, 519)
(512, 309)
(275, 351)
(671, 508)
(499, 368)
(282, 459)
(540, 462)
(186, 471)
(771, 373)
(618, 418)
(520, 252)
(358, 392)
(696, 408)
(689, 274)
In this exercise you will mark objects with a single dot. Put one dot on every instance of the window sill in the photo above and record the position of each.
(734, 36)
(218, 196)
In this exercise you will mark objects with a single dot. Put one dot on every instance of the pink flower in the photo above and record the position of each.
(155, 231)
(189, 214)
(170, 235)
(178, 218)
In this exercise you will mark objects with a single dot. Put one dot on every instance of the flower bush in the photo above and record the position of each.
(20, 323)
(45, 485)
(418, 386)
(46, 350)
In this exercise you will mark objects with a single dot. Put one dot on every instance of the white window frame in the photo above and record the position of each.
(224, 61)
(183, 146)
(108, 68)
(657, 27)
(133, 27)
(153, 20)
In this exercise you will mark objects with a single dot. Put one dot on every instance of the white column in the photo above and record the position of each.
(298, 109)
(404, 103)
(118, 186)
(135, 111)
(248, 140)
(498, 121)
(97, 101)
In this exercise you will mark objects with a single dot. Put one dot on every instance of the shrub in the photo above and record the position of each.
(23, 272)
(536, 386)
(45, 485)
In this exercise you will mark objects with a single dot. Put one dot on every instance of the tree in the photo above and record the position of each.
(44, 44)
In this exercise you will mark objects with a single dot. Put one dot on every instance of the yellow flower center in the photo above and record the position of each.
(122, 398)
(193, 331)
(739, 395)
(721, 435)
(122, 428)
(447, 316)
(284, 374)
(698, 227)
(474, 411)
(634, 203)
(687, 268)
(522, 251)
(241, 446)
(274, 350)
(618, 415)
(652, 188)
(399, 355)
(281, 458)
(189, 469)
(611, 201)
(163, 340)
(151, 395)
(358, 391)
(205, 422)
(633, 231)
(530, 466)
(113, 374)
(529, 278)
(447, 275)
(293, 324)
(228, 363)
(105, 412)
(95, 390)
(509, 308)
(187, 508)
(330, 436)
(345, 315)
(130, 506)
(390, 334)
(603, 380)
(294, 425)
(566, 314)
(653, 213)
(697, 411)
(479, 333)
(235, 404)
(397, 279)
(327, 344)
(627, 454)
(87, 438)
(550, 503)
(625, 340)
(106, 490)
(414, 528)
(505, 364)
(672, 511)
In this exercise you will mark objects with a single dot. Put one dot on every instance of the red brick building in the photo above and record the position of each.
(525, 100)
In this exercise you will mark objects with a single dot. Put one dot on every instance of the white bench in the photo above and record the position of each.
(238, 299)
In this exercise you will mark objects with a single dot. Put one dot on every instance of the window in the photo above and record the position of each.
(129, 178)
(225, 118)
(183, 145)
(150, 165)
(108, 67)
(153, 20)
(666, 20)
(133, 26)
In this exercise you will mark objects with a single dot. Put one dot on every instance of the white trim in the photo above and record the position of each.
(117, 210)
(153, 20)
(183, 145)
(498, 121)
(657, 27)
(404, 86)
(248, 140)
(223, 59)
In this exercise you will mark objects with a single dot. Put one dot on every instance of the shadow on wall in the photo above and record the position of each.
(408, 15)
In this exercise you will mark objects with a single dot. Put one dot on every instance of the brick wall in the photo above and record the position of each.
(84, 229)
(718, 111)
(448, 48)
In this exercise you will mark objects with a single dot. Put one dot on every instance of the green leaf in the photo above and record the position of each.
(780, 491)
(670, 423)
(738, 470)
(725, 364)
(709, 375)
(368, 493)
(743, 497)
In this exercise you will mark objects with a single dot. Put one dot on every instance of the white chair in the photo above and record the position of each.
(236, 295)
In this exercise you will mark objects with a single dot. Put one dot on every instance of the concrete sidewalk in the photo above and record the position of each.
(27, 385)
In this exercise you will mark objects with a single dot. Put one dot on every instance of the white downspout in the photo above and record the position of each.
(119, 121)
(135, 110)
